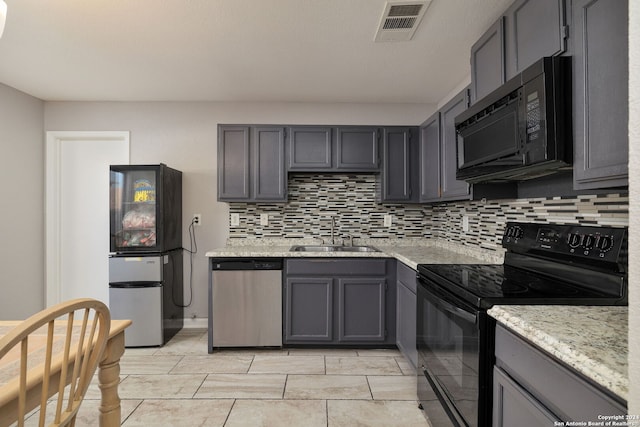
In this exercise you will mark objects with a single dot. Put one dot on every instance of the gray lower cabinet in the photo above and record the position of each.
(398, 180)
(600, 48)
(333, 149)
(533, 389)
(251, 164)
(338, 302)
(438, 154)
(406, 307)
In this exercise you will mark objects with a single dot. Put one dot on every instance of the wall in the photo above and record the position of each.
(634, 208)
(22, 207)
(184, 136)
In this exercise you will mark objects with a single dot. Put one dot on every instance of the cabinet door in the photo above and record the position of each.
(406, 305)
(309, 149)
(308, 308)
(487, 61)
(361, 309)
(233, 163)
(600, 45)
(399, 171)
(269, 175)
(430, 159)
(452, 189)
(357, 149)
(534, 28)
(513, 406)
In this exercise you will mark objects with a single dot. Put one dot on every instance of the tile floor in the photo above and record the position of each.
(180, 384)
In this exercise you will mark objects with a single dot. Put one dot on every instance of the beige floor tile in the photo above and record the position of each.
(241, 386)
(214, 364)
(392, 387)
(268, 364)
(144, 364)
(383, 352)
(88, 414)
(140, 351)
(179, 413)
(406, 367)
(327, 387)
(323, 352)
(374, 413)
(377, 365)
(160, 386)
(278, 413)
(183, 345)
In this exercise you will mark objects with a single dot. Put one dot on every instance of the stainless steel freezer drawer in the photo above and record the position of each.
(129, 269)
(143, 306)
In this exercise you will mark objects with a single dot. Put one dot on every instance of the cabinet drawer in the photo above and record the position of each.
(407, 276)
(561, 390)
(336, 267)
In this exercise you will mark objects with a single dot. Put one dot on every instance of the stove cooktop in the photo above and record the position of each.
(485, 285)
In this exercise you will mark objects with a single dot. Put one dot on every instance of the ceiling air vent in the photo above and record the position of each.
(400, 20)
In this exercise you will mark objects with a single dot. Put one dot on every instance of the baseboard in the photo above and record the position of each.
(195, 323)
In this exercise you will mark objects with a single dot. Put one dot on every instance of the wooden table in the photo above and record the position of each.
(108, 376)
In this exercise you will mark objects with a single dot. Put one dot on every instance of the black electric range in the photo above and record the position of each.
(545, 264)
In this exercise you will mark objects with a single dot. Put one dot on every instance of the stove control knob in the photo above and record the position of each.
(588, 242)
(574, 240)
(604, 243)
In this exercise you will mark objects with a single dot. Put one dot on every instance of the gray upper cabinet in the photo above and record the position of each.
(534, 28)
(600, 49)
(430, 159)
(399, 176)
(438, 154)
(487, 61)
(233, 163)
(309, 148)
(331, 149)
(452, 189)
(357, 148)
(251, 164)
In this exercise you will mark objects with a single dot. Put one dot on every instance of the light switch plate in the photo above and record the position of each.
(465, 223)
(235, 219)
(388, 219)
(264, 219)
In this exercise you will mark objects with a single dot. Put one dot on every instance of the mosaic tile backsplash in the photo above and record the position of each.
(351, 200)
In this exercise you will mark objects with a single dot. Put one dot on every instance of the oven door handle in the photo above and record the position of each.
(441, 301)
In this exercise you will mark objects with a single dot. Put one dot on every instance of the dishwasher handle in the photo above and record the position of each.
(235, 264)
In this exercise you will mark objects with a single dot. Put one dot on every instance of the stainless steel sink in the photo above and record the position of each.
(331, 248)
(357, 249)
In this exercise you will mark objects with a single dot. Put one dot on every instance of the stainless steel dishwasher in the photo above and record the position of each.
(245, 302)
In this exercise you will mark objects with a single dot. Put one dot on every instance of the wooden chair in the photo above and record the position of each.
(56, 354)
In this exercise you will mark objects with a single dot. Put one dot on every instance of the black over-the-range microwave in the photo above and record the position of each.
(522, 130)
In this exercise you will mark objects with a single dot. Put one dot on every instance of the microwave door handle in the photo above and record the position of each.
(457, 311)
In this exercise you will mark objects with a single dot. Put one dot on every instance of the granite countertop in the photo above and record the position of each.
(408, 251)
(590, 339)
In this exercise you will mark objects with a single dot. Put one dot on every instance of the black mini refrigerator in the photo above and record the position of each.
(145, 259)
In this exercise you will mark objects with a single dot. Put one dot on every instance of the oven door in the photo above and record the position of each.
(452, 358)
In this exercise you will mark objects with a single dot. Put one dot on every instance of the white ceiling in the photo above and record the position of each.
(235, 50)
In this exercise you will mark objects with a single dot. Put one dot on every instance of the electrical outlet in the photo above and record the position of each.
(197, 219)
(388, 220)
(264, 219)
(235, 219)
(465, 223)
